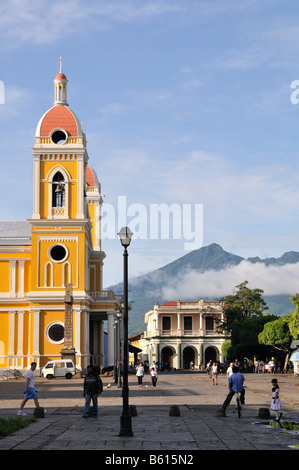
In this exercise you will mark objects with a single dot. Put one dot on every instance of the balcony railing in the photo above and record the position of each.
(105, 294)
(199, 332)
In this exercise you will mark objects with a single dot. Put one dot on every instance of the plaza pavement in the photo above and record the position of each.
(198, 428)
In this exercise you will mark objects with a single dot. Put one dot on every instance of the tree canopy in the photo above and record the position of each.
(243, 303)
(281, 332)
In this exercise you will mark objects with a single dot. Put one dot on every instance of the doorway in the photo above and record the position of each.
(188, 356)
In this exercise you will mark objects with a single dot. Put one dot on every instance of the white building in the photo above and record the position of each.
(180, 332)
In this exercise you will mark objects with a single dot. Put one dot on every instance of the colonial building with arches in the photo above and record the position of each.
(59, 245)
(182, 332)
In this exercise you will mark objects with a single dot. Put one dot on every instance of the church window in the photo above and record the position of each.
(55, 332)
(58, 253)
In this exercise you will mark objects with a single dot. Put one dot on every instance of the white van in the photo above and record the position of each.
(62, 368)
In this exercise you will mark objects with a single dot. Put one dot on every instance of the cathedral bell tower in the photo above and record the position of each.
(61, 226)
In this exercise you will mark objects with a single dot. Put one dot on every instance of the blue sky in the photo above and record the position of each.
(182, 102)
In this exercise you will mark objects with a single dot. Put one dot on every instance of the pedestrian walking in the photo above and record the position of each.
(92, 388)
(209, 368)
(140, 373)
(154, 376)
(271, 366)
(215, 373)
(276, 404)
(30, 392)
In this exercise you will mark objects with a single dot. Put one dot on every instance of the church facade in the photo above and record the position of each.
(59, 245)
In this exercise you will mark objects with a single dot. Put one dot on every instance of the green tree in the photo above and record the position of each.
(245, 337)
(243, 303)
(282, 332)
(277, 334)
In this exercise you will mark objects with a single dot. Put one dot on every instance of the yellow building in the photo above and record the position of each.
(59, 245)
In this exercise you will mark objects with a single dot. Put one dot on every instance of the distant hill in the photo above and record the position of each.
(146, 290)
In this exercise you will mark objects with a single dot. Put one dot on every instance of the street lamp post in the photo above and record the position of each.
(125, 236)
(119, 317)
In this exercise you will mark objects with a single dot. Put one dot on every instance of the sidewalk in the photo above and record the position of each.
(197, 428)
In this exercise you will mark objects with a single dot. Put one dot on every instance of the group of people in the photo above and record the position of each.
(153, 372)
(236, 385)
(212, 371)
(260, 366)
(92, 388)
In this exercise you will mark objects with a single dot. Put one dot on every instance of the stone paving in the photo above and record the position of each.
(198, 428)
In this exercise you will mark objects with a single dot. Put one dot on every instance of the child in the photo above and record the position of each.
(276, 403)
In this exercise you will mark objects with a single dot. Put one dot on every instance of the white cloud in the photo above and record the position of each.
(273, 280)
(45, 22)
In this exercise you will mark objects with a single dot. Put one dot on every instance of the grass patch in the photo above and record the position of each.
(10, 425)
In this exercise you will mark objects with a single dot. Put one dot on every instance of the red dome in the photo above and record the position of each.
(61, 76)
(62, 117)
(91, 177)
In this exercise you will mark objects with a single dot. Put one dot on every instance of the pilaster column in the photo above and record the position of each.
(11, 341)
(179, 355)
(102, 349)
(110, 351)
(20, 332)
(12, 292)
(80, 187)
(200, 323)
(179, 325)
(36, 187)
(36, 334)
(21, 278)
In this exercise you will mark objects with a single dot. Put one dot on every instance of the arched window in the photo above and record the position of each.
(58, 190)
(58, 179)
(66, 273)
(49, 274)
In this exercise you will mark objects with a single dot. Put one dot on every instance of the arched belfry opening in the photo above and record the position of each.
(58, 190)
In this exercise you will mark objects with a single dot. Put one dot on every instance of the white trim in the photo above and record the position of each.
(56, 322)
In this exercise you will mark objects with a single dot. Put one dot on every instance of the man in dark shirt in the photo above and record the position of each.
(92, 388)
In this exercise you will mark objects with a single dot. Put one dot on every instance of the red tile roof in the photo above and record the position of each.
(90, 180)
(59, 116)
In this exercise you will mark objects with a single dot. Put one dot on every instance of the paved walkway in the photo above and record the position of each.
(197, 428)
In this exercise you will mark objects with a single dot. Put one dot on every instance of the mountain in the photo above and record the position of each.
(146, 290)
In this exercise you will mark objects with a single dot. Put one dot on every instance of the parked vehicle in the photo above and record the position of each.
(62, 368)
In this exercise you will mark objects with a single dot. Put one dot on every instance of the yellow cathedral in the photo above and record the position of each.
(59, 245)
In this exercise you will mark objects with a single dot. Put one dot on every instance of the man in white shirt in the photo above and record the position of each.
(229, 370)
(29, 392)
